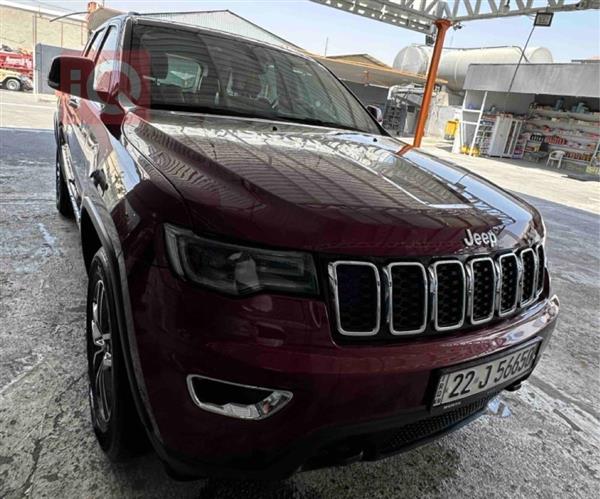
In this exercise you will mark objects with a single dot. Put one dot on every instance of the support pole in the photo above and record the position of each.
(442, 26)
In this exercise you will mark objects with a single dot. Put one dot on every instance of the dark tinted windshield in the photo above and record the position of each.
(195, 71)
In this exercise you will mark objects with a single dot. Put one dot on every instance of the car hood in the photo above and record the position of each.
(325, 190)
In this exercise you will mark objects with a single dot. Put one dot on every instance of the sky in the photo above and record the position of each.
(573, 35)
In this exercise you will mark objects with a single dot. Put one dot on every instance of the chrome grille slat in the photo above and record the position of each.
(541, 268)
(442, 296)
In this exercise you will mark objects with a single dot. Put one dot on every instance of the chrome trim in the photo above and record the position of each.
(68, 179)
(498, 286)
(388, 270)
(472, 276)
(534, 284)
(501, 280)
(433, 285)
(470, 283)
(332, 271)
(434, 267)
(539, 289)
(519, 280)
(277, 400)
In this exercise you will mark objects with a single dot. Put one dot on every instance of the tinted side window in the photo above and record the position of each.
(105, 63)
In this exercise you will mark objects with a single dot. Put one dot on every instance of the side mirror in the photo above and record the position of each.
(376, 113)
(74, 75)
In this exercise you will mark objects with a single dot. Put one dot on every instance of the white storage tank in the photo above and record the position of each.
(455, 62)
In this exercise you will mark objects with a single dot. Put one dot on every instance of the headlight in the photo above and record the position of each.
(238, 270)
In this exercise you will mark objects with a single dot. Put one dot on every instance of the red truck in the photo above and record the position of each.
(20, 62)
(275, 283)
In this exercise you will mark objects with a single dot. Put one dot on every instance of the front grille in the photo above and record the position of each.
(357, 297)
(396, 440)
(449, 308)
(439, 296)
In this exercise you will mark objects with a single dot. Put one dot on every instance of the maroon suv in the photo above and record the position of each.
(275, 283)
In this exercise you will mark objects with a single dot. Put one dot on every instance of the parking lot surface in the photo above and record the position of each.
(542, 441)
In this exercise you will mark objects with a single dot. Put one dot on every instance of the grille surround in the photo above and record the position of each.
(333, 279)
(501, 277)
(523, 300)
(541, 269)
(482, 291)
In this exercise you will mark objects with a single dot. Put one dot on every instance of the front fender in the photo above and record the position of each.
(105, 230)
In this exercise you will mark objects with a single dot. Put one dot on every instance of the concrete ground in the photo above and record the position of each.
(542, 441)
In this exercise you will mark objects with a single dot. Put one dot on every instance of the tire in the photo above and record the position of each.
(12, 84)
(114, 416)
(63, 200)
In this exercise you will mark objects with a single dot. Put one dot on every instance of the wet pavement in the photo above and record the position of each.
(542, 441)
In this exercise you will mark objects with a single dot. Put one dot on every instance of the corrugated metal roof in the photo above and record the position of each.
(369, 74)
(363, 58)
(575, 79)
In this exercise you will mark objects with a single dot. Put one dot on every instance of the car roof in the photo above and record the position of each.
(151, 21)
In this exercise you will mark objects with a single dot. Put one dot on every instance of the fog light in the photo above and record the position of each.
(236, 400)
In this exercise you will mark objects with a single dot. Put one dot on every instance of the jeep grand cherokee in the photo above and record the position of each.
(275, 283)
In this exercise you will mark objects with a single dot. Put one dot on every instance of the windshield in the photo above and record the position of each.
(187, 70)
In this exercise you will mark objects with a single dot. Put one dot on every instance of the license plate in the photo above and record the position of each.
(457, 385)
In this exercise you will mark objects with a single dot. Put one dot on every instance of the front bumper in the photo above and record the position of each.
(346, 399)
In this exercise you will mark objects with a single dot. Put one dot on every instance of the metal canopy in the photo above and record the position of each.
(419, 15)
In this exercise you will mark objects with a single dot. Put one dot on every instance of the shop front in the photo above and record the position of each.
(542, 113)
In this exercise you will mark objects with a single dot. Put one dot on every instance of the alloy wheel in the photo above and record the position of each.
(101, 372)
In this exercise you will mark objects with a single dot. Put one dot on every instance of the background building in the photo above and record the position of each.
(27, 23)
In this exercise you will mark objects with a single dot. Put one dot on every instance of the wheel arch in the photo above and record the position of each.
(94, 235)
(90, 241)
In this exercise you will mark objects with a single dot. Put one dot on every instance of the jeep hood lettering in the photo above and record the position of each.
(327, 190)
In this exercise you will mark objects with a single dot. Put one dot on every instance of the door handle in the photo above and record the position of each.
(74, 102)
